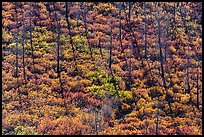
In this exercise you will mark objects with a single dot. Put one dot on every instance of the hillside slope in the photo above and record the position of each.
(102, 68)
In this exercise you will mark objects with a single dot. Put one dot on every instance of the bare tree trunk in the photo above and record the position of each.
(197, 87)
(110, 51)
(161, 57)
(188, 57)
(86, 31)
(31, 44)
(187, 74)
(168, 98)
(129, 10)
(77, 19)
(110, 56)
(145, 32)
(131, 45)
(166, 36)
(23, 45)
(174, 27)
(136, 49)
(31, 37)
(71, 41)
(99, 44)
(130, 82)
(160, 50)
(16, 18)
(58, 50)
(120, 29)
(96, 121)
(157, 118)
(146, 124)
(16, 40)
(168, 67)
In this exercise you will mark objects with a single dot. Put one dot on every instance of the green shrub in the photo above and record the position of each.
(97, 91)
(7, 132)
(20, 130)
(126, 96)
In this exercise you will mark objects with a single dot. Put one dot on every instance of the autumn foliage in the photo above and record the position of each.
(104, 68)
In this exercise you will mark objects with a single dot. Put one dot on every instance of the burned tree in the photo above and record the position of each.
(70, 35)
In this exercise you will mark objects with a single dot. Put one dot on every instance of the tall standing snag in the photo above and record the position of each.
(158, 19)
(145, 31)
(86, 30)
(57, 27)
(120, 27)
(23, 45)
(111, 45)
(17, 71)
(70, 35)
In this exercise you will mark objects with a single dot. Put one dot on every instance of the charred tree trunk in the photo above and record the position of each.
(77, 19)
(197, 88)
(175, 30)
(99, 44)
(131, 44)
(145, 33)
(160, 47)
(168, 97)
(120, 28)
(16, 18)
(110, 49)
(129, 10)
(16, 73)
(23, 45)
(96, 121)
(71, 41)
(86, 31)
(130, 81)
(57, 27)
(188, 57)
(187, 75)
(166, 38)
(31, 38)
(161, 57)
(136, 49)
(32, 48)
(157, 118)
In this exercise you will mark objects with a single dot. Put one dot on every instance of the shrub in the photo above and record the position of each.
(126, 96)
(156, 91)
(20, 130)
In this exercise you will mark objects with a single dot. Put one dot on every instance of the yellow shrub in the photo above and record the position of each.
(141, 103)
(170, 92)
(86, 82)
(185, 98)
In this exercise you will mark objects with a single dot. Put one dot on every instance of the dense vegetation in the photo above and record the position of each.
(102, 68)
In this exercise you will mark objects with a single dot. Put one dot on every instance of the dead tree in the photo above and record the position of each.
(145, 31)
(57, 27)
(120, 27)
(197, 87)
(17, 71)
(110, 49)
(31, 36)
(188, 57)
(70, 35)
(130, 80)
(158, 19)
(100, 47)
(23, 45)
(157, 117)
(31, 45)
(86, 30)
